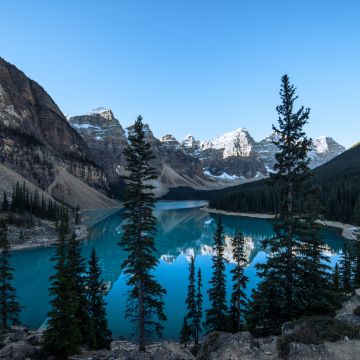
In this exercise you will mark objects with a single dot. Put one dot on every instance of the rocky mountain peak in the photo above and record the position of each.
(169, 140)
(103, 112)
(234, 143)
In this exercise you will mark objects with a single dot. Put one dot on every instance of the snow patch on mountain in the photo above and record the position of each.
(234, 143)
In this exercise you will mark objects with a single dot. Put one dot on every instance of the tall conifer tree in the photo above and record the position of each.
(5, 203)
(216, 319)
(9, 307)
(62, 336)
(346, 269)
(96, 290)
(145, 304)
(191, 299)
(198, 303)
(76, 268)
(296, 246)
(238, 296)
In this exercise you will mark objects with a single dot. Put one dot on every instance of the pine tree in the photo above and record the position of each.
(238, 296)
(185, 332)
(314, 295)
(76, 273)
(356, 260)
(96, 290)
(216, 315)
(77, 215)
(145, 304)
(9, 307)
(199, 302)
(296, 246)
(62, 336)
(5, 203)
(336, 279)
(345, 269)
(191, 299)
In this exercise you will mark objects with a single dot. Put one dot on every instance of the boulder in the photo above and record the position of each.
(240, 346)
(19, 350)
(169, 350)
(341, 350)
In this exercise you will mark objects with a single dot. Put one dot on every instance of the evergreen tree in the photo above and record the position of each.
(313, 292)
(185, 332)
(77, 215)
(295, 267)
(62, 336)
(336, 279)
(5, 203)
(191, 299)
(9, 307)
(198, 303)
(96, 290)
(216, 315)
(345, 269)
(145, 304)
(238, 296)
(77, 279)
(356, 261)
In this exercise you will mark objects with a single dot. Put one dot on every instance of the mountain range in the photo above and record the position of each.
(59, 154)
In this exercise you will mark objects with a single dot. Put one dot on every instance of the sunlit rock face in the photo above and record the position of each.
(229, 156)
(323, 149)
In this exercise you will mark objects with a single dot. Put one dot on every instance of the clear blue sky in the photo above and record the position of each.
(200, 67)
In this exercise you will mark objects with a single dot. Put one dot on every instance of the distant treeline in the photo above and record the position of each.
(22, 202)
(339, 191)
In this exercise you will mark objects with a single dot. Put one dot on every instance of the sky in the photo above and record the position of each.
(192, 66)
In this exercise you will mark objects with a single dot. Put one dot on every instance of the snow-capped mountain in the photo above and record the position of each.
(324, 148)
(230, 156)
(107, 139)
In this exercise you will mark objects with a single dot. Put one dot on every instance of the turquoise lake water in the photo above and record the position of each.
(183, 231)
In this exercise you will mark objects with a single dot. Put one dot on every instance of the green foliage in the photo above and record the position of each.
(191, 300)
(5, 203)
(24, 203)
(9, 307)
(96, 290)
(198, 304)
(296, 273)
(318, 330)
(145, 302)
(77, 215)
(185, 333)
(238, 296)
(346, 270)
(356, 262)
(216, 315)
(336, 279)
(62, 336)
(76, 273)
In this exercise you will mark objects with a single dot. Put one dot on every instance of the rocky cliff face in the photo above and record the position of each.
(35, 137)
(105, 138)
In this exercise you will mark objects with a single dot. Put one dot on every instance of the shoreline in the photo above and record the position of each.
(348, 230)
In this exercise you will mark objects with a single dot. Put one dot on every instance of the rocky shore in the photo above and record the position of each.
(348, 230)
(41, 233)
(316, 338)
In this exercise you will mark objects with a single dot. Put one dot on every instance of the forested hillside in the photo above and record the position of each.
(338, 180)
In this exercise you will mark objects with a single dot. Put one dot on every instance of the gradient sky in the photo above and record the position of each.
(191, 66)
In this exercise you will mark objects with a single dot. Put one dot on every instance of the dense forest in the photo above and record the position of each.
(338, 182)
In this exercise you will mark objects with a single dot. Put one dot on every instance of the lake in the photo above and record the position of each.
(184, 230)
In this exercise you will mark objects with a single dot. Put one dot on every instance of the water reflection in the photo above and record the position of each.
(182, 233)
